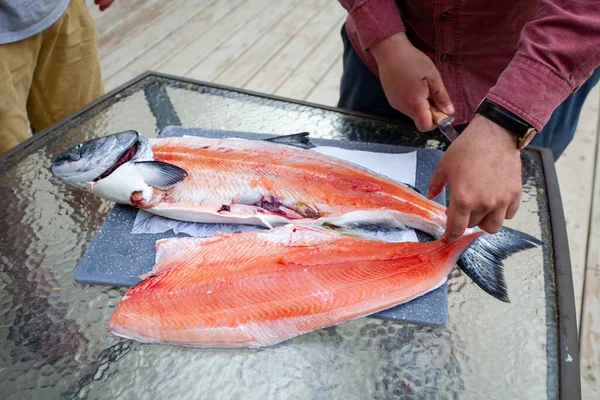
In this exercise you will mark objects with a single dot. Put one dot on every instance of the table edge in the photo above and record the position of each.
(568, 338)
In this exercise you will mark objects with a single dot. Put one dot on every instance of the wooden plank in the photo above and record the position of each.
(253, 58)
(187, 57)
(575, 174)
(152, 34)
(589, 338)
(139, 20)
(279, 68)
(327, 91)
(225, 54)
(314, 66)
(118, 13)
(142, 19)
(590, 324)
(216, 12)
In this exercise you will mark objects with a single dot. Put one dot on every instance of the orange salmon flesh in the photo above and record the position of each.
(273, 184)
(258, 289)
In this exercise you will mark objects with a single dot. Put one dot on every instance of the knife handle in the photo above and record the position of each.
(438, 116)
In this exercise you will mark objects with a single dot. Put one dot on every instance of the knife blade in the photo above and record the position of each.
(444, 123)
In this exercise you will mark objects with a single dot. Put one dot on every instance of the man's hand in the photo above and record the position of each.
(410, 79)
(483, 169)
(103, 4)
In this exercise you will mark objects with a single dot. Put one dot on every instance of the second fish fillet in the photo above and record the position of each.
(258, 289)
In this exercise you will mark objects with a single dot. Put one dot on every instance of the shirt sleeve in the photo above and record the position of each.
(374, 20)
(558, 50)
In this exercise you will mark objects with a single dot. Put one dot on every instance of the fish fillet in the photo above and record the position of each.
(258, 289)
(269, 184)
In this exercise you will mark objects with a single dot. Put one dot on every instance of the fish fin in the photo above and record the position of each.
(375, 220)
(482, 261)
(341, 230)
(379, 226)
(295, 139)
(160, 174)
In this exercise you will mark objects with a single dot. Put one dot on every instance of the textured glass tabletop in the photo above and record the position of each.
(53, 339)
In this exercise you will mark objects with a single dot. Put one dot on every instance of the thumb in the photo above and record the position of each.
(439, 94)
(437, 182)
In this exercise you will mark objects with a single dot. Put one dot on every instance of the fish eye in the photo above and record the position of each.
(80, 145)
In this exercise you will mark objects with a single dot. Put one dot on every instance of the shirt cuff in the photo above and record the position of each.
(376, 20)
(530, 90)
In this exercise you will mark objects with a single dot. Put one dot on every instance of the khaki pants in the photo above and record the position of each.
(49, 75)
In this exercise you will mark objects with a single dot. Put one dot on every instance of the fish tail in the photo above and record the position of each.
(482, 261)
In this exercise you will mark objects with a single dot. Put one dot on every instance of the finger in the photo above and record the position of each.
(439, 94)
(437, 182)
(493, 221)
(477, 216)
(421, 115)
(512, 209)
(458, 218)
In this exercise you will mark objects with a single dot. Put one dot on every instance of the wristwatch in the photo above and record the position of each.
(508, 120)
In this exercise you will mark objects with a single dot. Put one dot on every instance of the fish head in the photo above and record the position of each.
(89, 162)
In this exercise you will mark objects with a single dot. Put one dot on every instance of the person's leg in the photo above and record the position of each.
(67, 75)
(560, 129)
(17, 63)
(360, 89)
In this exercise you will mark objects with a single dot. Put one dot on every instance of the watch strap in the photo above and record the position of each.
(503, 117)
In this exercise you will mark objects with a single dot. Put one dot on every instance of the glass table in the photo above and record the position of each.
(53, 335)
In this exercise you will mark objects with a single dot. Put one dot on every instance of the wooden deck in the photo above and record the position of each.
(293, 48)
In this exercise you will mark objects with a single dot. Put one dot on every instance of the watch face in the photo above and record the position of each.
(529, 135)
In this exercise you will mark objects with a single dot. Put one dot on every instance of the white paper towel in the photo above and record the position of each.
(401, 167)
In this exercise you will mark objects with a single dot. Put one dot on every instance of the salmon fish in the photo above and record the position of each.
(253, 182)
(198, 179)
(257, 289)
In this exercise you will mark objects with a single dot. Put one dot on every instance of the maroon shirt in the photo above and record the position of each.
(525, 55)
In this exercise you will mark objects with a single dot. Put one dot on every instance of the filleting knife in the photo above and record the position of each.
(444, 123)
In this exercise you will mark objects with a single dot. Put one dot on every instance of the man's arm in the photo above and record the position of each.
(558, 50)
(409, 78)
(374, 20)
